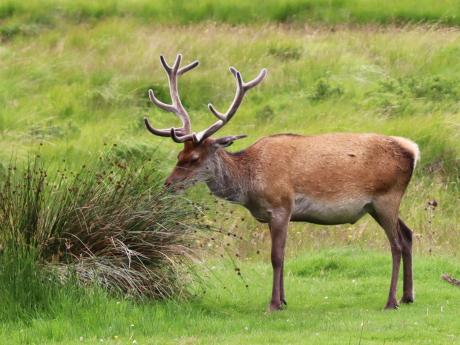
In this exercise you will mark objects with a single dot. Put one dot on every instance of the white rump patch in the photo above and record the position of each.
(410, 146)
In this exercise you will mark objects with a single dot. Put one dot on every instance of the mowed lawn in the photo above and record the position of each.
(335, 296)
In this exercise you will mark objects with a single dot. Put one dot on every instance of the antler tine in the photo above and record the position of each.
(159, 132)
(241, 88)
(256, 80)
(176, 65)
(176, 107)
(189, 67)
(167, 68)
(182, 138)
(237, 75)
(200, 136)
(160, 104)
(218, 114)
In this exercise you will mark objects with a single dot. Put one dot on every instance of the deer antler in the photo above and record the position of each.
(241, 88)
(180, 135)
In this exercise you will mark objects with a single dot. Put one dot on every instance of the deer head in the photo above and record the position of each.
(199, 148)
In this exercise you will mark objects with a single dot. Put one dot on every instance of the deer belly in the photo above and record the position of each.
(342, 211)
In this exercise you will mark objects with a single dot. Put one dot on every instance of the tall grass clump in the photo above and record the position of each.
(110, 224)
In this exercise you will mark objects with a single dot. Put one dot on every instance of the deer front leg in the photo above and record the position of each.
(278, 232)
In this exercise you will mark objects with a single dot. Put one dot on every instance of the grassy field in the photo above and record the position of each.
(335, 297)
(77, 87)
(69, 92)
(73, 81)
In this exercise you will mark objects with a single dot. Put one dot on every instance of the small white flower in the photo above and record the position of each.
(134, 341)
(325, 297)
(81, 338)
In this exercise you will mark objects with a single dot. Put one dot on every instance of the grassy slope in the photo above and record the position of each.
(335, 297)
(78, 87)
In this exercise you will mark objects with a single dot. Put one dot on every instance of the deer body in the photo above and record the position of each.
(320, 179)
(325, 179)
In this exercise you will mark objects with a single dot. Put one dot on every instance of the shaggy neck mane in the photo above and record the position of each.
(229, 176)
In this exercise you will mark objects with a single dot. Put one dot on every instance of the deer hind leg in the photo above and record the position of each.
(386, 214)
(278, 232)
(408, 287)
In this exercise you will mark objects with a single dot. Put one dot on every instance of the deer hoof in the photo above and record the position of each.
(274, 306)
(407, 299)
(392, 306)
(283, 302)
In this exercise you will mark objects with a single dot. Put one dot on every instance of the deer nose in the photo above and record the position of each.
(167, 183)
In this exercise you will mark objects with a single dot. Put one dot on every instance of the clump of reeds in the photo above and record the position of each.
(109, 223)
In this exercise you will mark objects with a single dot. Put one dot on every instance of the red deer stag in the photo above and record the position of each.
(323, 179)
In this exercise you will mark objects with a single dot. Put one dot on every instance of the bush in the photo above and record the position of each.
(324, 89)
(110, 224)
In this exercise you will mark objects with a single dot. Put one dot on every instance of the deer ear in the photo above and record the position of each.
(227, 141)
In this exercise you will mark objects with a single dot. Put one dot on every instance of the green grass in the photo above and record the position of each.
(335, 297)
(74, 77)
(234, 12)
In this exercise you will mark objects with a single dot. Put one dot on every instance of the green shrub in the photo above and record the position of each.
(325, 89)
(401, 96)
(111, 224)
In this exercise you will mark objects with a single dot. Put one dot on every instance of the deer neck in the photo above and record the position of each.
(229, 176)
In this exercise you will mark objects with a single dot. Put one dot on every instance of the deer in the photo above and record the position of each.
(326, 179)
